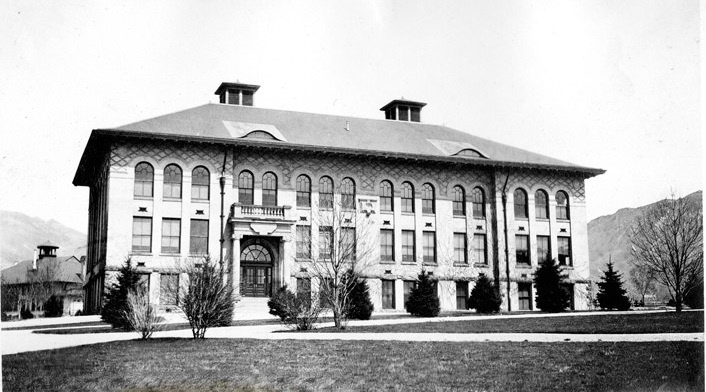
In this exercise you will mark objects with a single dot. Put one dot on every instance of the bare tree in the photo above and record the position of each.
(642, 279)
(204, 296)
(35, 290)
(668, 240)
(141, 314)
(344, 242)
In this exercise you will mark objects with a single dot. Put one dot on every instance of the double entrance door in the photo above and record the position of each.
(255, 280)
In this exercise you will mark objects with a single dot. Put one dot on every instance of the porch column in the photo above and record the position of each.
(235, 263)
(282, 270)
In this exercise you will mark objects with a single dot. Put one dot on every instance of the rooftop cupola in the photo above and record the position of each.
(236, 93)
(47, 249)
(403, 110)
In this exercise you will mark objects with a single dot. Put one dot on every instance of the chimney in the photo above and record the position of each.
(34, 261)
(47, 249)
(236, 93)
(403, 110)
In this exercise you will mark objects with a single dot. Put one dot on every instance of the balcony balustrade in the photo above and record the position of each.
(238, 210)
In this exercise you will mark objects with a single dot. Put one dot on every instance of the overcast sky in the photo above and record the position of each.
(607, 84)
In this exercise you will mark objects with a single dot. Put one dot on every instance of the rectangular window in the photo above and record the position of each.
(141, 234)
(408, 285)
(403, 113)
(544, 252)
(479, 249)
(460, 248)
(143, 188)
(415, 114)
(198, 243)
(387, 245)
(171, 232)
(168, 289)
(388, 294)
(522, 255)
(303, 198)
(348, 243)
(325, 200)
(524, 295)
(303, 242)
(564, 251)
(247, 98)
(408, 245)
(325, 292)
(325, 242)
(172, 190)
(429, 246)
(569, 287)
(461, 295)
(233, 97)
(304, 289)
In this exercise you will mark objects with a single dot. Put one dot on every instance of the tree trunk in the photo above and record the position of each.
(678, 301)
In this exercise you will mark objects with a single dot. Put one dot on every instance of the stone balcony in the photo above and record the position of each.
(252, 212)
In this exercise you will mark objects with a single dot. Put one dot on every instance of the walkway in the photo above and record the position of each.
(16, 341)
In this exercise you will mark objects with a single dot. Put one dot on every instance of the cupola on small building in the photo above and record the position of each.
(423, 197)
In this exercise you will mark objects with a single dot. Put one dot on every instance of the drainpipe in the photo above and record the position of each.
(222, 182)
(507, 250)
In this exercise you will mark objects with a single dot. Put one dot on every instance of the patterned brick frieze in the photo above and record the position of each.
(367, 172)
(125, 152)
(550, 181)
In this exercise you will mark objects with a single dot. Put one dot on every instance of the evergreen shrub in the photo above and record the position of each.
(485, 296)
(423, 300)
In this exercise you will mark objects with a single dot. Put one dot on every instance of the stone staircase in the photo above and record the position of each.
(253, 308)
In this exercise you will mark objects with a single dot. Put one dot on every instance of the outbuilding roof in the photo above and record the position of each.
(222, 123)
(63, 269)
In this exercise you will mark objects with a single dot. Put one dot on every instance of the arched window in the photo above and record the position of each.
(245, 188)
(427, 198)
(144, 179)
(200, 180)
(386, 196)
(459, 201)
(520, 197)
(172, 182)
(325, 192)
(348, 194)
(255, 254)
(269, 189)
(407, 198)
(562, 205)
(478, 197)
(303, 191)
(541, 204)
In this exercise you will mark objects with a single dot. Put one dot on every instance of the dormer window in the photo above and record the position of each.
(403, 110)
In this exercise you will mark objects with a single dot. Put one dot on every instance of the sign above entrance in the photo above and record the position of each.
(263, 228)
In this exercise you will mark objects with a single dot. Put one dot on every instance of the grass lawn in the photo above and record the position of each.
(663, 322)
(249, 365)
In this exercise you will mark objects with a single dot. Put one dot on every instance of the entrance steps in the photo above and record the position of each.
(253, 308)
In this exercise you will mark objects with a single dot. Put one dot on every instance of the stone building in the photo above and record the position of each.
(245, 184)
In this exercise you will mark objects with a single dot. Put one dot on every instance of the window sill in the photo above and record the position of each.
(151, 198)
(302, 259)
(195, 254)
(139, 253)
(541, 219)
(563, 220)
(308, 208)
(387, 262)
(408, 213)
(430, 263)
(409, 263)
(200, 201)
(479, 218)
(481, 265)
(429, 214)
(171, 199)
(459, 216)
(164, 254)
(461, 265)
(523, 266)
(569, 267)
(521, 219)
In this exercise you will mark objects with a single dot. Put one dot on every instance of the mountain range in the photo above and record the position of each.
(20, 234)
(609, 238)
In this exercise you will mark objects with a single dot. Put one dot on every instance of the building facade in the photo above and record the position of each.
(248, 186)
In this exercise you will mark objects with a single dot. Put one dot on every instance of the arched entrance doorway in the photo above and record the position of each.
(255, 271)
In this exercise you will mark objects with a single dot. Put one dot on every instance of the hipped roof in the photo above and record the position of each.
(230, 124)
